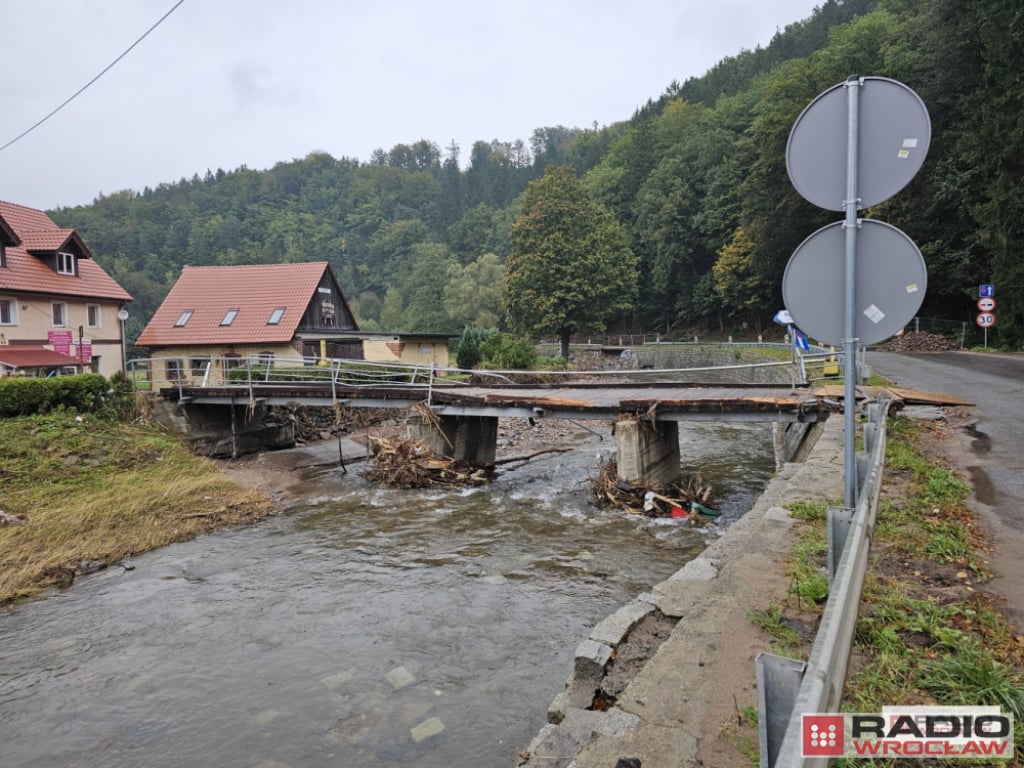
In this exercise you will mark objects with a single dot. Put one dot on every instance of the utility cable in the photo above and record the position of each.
(77, 93)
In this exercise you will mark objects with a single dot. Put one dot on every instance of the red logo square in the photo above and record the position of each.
(822, 735)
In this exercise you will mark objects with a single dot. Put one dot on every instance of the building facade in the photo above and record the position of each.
(55, 298)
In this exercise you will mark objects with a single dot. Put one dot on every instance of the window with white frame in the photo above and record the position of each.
(275, 316)
(183, 318)
(92, 312)
(65, 263)
(229, 317)
(8, 312)
(59, 311)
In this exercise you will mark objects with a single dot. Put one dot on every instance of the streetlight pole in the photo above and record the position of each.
(122, 315)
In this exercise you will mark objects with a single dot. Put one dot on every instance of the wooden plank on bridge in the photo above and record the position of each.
(908, 396)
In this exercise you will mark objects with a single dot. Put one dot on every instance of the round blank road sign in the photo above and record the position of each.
(890, 282)
(893, 138)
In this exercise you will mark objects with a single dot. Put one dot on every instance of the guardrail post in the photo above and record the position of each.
(778, 682)
(840, 520)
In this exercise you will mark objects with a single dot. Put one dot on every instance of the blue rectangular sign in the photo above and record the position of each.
(986, 291)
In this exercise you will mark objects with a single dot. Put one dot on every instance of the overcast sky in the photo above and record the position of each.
(224, 83)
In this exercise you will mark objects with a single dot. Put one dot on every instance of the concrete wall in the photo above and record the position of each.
(463, 438)
(209, 432)
(677, 357)
(794, 441)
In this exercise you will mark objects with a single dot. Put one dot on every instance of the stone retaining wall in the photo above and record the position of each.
(686, 596)
(678, 358)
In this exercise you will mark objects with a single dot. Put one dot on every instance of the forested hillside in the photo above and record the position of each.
(419, 235)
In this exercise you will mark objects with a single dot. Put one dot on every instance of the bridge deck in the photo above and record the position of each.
(576, 401)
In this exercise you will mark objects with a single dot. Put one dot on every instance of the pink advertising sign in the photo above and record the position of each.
(61, 341)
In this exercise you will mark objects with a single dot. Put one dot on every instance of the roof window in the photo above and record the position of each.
(275, 316)
(65, 263)
(183, 318)
(229, 317)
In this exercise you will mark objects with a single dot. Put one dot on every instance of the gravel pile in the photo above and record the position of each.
(918, 342)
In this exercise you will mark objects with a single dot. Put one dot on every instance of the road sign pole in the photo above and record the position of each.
(850, 319)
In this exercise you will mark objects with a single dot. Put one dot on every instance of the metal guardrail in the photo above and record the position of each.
(788, 689)
(155, 373)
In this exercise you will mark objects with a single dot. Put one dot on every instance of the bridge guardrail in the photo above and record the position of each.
(159, 373)
(781, 700)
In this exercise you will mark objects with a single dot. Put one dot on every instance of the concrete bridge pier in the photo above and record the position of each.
(464, 438)
(648, 452)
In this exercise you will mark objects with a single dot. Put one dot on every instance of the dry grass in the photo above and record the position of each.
(95, 492)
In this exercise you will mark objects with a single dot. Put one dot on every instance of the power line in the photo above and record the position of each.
(77, 93)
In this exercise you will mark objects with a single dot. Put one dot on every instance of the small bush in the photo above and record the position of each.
(83, 393)
(504, 351)
(467, 354)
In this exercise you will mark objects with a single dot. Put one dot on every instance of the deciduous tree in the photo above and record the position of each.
(571, 269)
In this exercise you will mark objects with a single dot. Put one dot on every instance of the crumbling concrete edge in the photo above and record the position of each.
(571, 726)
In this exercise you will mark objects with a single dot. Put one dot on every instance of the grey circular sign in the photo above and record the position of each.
(893, 138)
(890, 281)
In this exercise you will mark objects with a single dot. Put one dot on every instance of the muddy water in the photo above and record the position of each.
(344, 631)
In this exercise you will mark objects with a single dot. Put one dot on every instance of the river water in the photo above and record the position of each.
(325, 635)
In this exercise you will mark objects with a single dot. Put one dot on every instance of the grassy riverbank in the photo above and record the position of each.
(94, 491)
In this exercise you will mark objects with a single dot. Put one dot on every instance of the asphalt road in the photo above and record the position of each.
(992, 454)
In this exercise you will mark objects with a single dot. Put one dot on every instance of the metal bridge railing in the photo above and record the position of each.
(160, 373)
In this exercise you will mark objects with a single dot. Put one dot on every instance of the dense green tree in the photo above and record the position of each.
(472, 295)
(571, 269)
(467, 354)
(739, 287)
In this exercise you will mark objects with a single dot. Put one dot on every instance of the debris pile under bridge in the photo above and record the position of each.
(692, 499)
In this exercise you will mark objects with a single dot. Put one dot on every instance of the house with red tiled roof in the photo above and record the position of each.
(58, 307)
(218, 318)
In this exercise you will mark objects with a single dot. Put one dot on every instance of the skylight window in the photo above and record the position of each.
(229, 317)
(183, 318)
(275, 316)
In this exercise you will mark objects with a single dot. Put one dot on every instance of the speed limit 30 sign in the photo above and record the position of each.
(985, 319)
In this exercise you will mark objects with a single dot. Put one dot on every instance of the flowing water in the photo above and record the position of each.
(324, 636)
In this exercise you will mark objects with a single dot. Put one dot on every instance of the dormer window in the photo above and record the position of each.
(183, 318)
(275, 316)
(65, 263)
(229, 317)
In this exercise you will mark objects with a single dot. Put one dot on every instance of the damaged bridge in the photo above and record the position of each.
(464, 425)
